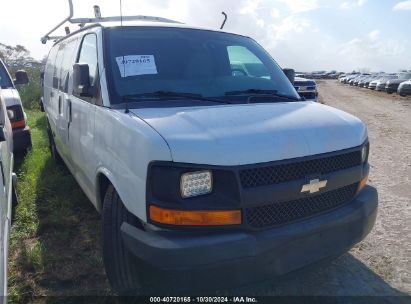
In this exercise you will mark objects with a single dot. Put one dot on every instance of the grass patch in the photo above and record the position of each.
(55, 236)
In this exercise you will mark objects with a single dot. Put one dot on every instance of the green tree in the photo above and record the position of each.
(17, 58)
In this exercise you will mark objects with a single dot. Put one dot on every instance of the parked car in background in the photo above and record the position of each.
(15, 110)
(364, 83)
(348, 78)
(341, 76)
(7, 191)
(173, 148)
(405, 88)
(360, 78)
(352, 80)
(373, 84)
(306, 88)
(393, 84)
(382, 82)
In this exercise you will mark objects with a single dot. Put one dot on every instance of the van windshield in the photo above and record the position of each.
(145, 60)
(5, 81)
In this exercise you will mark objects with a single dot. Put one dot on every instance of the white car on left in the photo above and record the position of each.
(7, 191)
(15, 110)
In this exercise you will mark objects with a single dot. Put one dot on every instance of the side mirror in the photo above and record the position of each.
(21, 77)
(290, 73)
(81, 80)
(2, 135)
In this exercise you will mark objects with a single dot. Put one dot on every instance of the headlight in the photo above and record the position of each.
(196, 184)
(364, 153)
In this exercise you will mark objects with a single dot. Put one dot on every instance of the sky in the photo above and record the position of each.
(307, 35)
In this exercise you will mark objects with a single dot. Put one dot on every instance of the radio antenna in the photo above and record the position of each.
(225, 20)
(124, 63)
(121, 12)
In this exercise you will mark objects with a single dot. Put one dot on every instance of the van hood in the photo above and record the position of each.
(253, 133)
(10, 96)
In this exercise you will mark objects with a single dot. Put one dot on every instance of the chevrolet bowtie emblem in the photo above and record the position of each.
(314, 186)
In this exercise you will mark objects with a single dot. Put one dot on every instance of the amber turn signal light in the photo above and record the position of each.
(362, 184)
(195, 218)
(18, 124)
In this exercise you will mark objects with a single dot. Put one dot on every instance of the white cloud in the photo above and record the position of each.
(275, 13)
(346, 5)
(403, 5)
(352, 4)
(374, 35)
(299, 6)
(375, 52)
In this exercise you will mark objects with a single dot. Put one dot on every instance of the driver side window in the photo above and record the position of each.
(88, 55)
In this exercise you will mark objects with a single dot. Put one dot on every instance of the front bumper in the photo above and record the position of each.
(380, 87)
(309, 95)
(21, 139)
(220, 260)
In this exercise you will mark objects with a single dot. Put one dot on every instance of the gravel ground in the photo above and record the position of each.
(387, 251)
(381, 264)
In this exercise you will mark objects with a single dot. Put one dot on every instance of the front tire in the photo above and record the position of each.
(121, 266)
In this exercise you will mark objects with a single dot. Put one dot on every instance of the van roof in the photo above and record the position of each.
(144, 24)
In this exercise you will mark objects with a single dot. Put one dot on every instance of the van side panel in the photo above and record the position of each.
(48, 91)
(124, 146)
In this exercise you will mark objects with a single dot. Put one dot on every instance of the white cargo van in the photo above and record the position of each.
(204, 176)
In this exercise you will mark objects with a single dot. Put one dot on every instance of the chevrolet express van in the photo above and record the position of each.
(204, 176)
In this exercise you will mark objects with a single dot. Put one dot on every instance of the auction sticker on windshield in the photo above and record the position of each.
(136, 65)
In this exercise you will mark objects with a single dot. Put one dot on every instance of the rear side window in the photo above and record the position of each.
(65, 58)
(49, 70)
(69, 53)
(57, 66)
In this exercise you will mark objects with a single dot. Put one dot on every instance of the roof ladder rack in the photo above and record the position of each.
(99, 19)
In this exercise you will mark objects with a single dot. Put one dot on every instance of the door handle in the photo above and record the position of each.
(69, 118)
(69, 110)
(59, 104)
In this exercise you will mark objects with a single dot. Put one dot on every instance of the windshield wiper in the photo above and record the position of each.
(252, 92)
(180, 95)
(258, 92)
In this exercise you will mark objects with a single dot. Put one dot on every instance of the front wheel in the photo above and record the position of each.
(122, 267)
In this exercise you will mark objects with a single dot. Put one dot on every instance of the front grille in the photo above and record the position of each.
(275, 174)
(304, 83)
(276, 214)
(308, 95)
